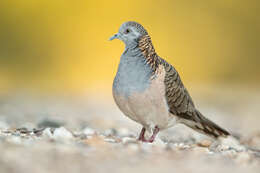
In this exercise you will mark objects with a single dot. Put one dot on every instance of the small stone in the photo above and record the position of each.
(204, 143)
(179, 145)
(96, 141)
(38, 132)
(111, 140)
(230, 152)
(231, 142)
(88, 131)
(110, 132)
(47, 133)
(23, 130)
(62, 134)
(200, 150)
(216, 147)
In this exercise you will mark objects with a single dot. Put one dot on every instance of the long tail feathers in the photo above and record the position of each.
(203, 125)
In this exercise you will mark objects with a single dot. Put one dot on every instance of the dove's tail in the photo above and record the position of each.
(205, 126)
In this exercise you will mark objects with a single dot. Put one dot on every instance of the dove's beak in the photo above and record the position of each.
(113, 37)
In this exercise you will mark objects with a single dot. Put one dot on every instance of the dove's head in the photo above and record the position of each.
(130, 33)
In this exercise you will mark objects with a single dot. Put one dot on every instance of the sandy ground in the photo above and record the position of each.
(89, 134)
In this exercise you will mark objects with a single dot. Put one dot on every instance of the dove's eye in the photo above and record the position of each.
(127, 31)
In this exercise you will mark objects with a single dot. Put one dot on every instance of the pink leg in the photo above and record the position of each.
(141, 136)
(151, 139)
(155, 132)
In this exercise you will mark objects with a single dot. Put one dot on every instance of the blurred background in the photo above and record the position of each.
(60, 49)
(57, 68)
(59, 46)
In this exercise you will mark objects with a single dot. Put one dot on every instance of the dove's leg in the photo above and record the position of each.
(155, 132)
(151, 139)
(141, 136)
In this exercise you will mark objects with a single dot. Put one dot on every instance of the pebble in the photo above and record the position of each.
(180, 145)
(47, 133)
(62, 134)
(204, 143)
(109, 139)
(229, 152)
(231, 142)
(89, 131)
(111, 132)
(200, 150)
(59, 134)
(96, 141)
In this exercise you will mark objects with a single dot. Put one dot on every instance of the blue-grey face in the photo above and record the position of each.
(129, 33)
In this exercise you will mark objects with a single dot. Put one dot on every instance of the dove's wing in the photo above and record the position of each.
(178, 98)
(181, 105)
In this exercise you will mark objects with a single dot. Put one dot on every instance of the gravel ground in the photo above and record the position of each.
(89, 134)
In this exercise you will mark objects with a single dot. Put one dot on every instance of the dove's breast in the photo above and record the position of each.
(140, 94)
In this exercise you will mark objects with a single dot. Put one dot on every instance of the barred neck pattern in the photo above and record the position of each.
(148, 51)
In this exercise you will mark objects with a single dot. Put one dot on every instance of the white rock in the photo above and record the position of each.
(128, 140)
(110, 140)
(200, 150)
(110, 132)
(62, 134)
(47, 133)
(230, 152)
(231, 142)
(88, 131)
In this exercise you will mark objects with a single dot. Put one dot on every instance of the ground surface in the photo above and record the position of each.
(89, 134)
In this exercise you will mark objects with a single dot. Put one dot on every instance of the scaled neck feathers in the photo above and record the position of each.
(148, 51)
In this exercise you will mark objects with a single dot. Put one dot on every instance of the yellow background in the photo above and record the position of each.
(62, 45)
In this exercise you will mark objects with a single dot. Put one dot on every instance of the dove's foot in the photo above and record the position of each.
(151, 139)
(141, 136)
